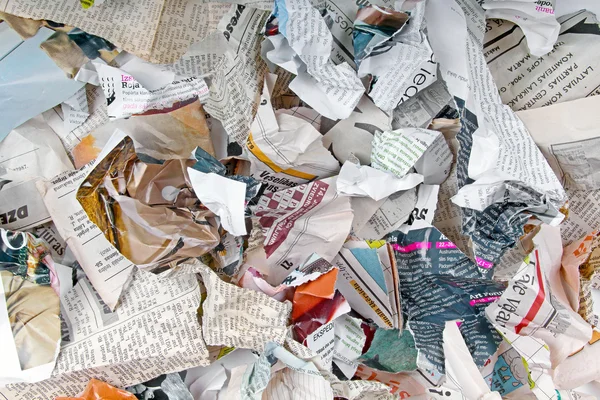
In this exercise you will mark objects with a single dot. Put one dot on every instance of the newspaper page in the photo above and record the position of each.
(349, 340)
(399, 151)
(157, 30)
(504, 128)
(106, 268)
(321, 341)
(154, 331)
(567, 72)
(181, 24)
(101, 21)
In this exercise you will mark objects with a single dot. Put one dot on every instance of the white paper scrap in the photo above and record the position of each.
(223, 196)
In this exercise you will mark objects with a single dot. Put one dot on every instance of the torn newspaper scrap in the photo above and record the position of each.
(563, 73)
(224, 323)
(332, 90)
(438, 283)
(535, 18)
(29, 153)
(285, 150)
(361, 181)
(104, 266)
(315, 306)
(127, 346)
(567, 134)
(310, 217)
(391, 350)
(161, 134)
(396, 53)
(536, 305)
(368, 279)
(212, 381)
(126, 96)
(386, 216)
(501, 173)
(224, 197)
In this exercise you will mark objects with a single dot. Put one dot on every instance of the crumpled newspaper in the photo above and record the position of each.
(298, 199)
